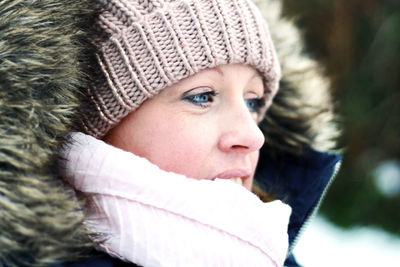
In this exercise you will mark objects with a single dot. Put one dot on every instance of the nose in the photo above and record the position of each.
(240, 133)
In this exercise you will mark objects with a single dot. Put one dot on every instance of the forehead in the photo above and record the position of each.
(223, 70)
(245, 73)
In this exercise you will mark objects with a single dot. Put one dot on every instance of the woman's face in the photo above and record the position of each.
(204, 126)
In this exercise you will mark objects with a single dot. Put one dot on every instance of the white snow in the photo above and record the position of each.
(323, 244)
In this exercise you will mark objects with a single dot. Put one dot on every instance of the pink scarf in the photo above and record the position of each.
(156, 218)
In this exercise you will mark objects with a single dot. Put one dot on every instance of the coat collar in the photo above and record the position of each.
(300, 181)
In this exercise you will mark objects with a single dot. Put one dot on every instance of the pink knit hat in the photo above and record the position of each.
(148, 45)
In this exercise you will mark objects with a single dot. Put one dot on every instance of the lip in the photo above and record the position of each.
(240, 173)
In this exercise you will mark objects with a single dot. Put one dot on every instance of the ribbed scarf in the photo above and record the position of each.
(156, 218)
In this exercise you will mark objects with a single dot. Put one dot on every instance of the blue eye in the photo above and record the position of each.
(201, 99)
(255, 104)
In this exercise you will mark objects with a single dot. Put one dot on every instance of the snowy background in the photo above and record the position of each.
(323, 244)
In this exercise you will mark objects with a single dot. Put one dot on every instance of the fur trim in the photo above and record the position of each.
(40, 75)
(302, 112)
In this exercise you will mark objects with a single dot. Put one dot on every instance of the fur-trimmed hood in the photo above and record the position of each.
(302, 114)
(43, 54)
(41, 76)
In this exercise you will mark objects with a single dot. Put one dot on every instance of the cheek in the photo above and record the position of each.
(254, 160)
(174, 145)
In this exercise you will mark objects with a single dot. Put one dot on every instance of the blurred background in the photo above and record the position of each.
(358, 42)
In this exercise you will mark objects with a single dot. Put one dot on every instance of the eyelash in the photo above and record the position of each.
(194, 98)
(259, 104)
(203, 99)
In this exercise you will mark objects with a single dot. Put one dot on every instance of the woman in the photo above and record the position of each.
(213, 82)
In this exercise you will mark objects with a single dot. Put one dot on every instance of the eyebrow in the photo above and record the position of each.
(218, 70)
(257, 74)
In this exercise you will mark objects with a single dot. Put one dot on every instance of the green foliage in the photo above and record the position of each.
(359, 43)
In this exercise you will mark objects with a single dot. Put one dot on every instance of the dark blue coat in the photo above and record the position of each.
(299, 181)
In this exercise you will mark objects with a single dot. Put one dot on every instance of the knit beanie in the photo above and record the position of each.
(144, 46)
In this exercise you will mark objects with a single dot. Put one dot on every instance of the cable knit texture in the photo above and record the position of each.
(157, 218)
(146, 46)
